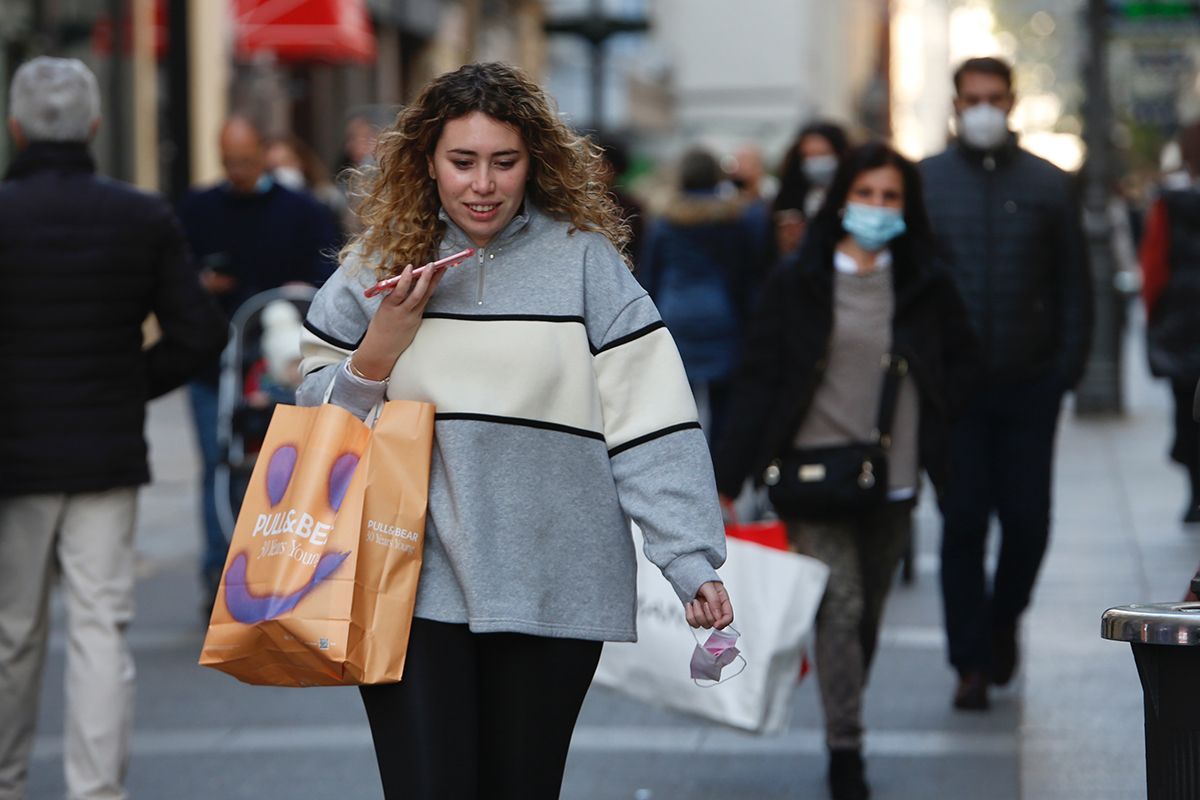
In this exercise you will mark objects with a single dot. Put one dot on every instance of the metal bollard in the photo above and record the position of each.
(1165, 638)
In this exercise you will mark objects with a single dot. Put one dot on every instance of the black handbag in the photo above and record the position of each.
(841, 480)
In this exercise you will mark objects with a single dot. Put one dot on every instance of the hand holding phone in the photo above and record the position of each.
(385, 286)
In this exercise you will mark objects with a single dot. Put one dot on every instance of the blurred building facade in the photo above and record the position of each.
(250, 57)
(704, 68)
(725, 73)
(672, 71)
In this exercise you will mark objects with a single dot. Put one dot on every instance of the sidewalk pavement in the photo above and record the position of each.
(1070, 726)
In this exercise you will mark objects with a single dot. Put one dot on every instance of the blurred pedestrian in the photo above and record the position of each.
(700, 265)
(355, 172)
(295, 165)
(748, 175)
(359, 140)
(804, 176)
(809, 165)
(84, 261)
(1170, 257)
(562, 412)
(615, 167)
(865, 290)
(757, 189)
(250, 234)
(1011, 225)
(789, 227)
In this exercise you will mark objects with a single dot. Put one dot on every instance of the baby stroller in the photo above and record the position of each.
(257, 369)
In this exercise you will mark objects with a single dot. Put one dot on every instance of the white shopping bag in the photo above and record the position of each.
(775, 597)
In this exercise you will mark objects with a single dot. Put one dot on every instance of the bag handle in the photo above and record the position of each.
(372, 415)
(895, 368)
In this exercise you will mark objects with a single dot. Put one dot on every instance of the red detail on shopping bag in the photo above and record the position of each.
(769, 533)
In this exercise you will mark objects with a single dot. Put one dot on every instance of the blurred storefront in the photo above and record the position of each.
(294, 66)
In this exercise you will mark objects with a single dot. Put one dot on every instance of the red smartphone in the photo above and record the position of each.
(386, 285)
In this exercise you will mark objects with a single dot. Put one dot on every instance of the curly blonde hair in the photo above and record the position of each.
(399, 207)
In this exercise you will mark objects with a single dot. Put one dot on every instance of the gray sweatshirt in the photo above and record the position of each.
(563, 412)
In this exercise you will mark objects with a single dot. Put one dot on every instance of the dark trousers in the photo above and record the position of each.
(204, 417)
(1001, 455)
(1185, 448)
(479, 715)
(717, 394)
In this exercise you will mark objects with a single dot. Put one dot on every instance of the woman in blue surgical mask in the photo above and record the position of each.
(865, 291)
(809, 166)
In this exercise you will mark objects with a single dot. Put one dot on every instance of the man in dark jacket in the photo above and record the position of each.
(1012, 231)
(83, 261)
(250, 234)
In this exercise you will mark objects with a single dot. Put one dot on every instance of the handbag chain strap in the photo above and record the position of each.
(895, 368)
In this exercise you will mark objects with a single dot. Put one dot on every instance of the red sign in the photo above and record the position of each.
(335, 31)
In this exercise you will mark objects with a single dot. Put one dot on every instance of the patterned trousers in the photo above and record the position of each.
(862, 553)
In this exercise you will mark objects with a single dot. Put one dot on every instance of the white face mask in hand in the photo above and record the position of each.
(983, 126)
(718, 652)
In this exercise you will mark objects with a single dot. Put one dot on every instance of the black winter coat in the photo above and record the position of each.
(83, 261)
(1010, 226)
(1173, 327)
(786, 350)
(699, 267)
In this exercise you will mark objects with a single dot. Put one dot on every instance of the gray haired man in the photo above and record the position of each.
(83, 261)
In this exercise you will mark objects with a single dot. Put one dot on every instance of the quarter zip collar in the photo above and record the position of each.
(456, 236)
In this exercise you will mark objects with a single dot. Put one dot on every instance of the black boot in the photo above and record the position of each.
(1192, 512)
(972, 692)
(846, 778)
(1005, 654)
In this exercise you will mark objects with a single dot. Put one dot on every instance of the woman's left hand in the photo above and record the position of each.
(711, 608)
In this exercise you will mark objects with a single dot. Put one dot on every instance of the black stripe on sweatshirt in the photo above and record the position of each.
(521, 422)
(650, 437)
(325, 337)
(503, 317)
(629, 337)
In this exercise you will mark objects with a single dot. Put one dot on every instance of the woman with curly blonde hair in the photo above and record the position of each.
(563, 412)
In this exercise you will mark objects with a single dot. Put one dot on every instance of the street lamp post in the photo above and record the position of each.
(1100, 390)
(596, 28)
(179, 126)
(117, 113)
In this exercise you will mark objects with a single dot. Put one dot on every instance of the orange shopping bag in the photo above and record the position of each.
(321, 577)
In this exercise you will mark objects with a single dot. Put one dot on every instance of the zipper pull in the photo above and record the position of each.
(479, 289)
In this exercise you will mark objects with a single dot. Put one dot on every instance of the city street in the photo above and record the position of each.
(1068, 727)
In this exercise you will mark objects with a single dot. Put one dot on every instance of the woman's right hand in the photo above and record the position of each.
(395, 324)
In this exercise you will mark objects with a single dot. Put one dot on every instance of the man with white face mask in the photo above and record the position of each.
(1011, 227)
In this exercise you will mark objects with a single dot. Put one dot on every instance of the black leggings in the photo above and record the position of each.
(479, 714)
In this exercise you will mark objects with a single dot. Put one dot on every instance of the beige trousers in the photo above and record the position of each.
(87, 538)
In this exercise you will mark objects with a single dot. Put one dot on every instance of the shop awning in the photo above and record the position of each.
(335, 31)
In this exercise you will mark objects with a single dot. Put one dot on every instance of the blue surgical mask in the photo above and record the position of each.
(872, 226)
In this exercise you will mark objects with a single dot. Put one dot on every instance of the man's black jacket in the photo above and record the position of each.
(83, 261)
(1010, 225)
(786, 350)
